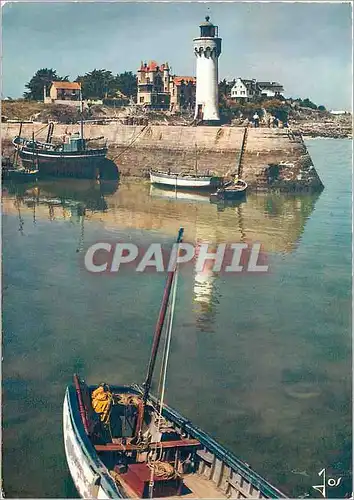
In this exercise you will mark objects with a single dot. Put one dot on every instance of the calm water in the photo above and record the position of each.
(263, 363)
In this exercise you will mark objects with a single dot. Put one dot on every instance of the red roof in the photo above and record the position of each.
(153, 66)
(67, 85)
(177, 80)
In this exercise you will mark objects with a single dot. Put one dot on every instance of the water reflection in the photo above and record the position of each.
(276, 221)
(172, 194)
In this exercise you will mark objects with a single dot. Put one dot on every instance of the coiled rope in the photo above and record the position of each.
(163, 470)
(127, 399)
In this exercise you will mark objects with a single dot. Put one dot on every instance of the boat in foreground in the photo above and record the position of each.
(191, 464)
(121, 442)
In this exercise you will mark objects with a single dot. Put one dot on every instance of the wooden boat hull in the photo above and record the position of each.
(83, 163)
(183, 181)
(231, 192)
(74, 165)
(229, 475)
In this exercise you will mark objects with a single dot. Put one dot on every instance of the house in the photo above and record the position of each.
(158, 89)
(249, 89)
(63, 93)
(270, 89)
(182, 92)
(244, 89)
(153, 85)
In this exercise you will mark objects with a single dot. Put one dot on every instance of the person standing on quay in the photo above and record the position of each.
(256, 120)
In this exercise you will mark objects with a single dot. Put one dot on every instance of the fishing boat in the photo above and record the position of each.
(73, 156)
(123, 442)
(232, 190)
(186, 180)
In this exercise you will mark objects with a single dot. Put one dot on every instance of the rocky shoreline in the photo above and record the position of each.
(334, 127)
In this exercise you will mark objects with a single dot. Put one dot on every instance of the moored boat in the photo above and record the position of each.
(72, 156)
(121, 442)
(185, 180)
(181, 180)
(232, 190)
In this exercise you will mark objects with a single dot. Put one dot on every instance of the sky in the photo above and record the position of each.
(307, 47)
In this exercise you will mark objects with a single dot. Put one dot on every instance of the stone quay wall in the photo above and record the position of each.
(272, 159)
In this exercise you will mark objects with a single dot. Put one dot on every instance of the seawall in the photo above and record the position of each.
(273, 158)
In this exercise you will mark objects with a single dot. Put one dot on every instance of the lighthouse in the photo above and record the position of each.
(207, 49)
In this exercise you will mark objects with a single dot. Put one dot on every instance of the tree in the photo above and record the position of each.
(321, 108)
(278, 109)
(306, 103)
(43, 78)
(98, 84)
(127, 83)
(224, 92)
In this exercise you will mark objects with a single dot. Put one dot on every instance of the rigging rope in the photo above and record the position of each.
(132, 142)
(163, 375)
(40, 130)
(157, 467)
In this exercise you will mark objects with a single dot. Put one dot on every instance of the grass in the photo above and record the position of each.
(20, 109)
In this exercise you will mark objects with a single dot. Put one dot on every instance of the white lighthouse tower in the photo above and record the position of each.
(207, 49)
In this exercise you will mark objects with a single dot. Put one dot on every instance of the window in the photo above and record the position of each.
(142, 99)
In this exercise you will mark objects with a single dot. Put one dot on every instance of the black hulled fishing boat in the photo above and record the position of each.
(121, 442)
(73, 156)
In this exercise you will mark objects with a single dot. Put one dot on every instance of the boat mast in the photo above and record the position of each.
(196, 160)
(159, 326)
(18, 147)
(81, 118)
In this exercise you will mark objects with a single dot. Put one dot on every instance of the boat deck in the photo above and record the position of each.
(200, 487)
(196, 486)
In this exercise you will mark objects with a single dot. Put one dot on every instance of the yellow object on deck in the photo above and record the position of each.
(101, 403)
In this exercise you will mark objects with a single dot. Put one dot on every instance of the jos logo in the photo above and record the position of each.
(331, 482)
